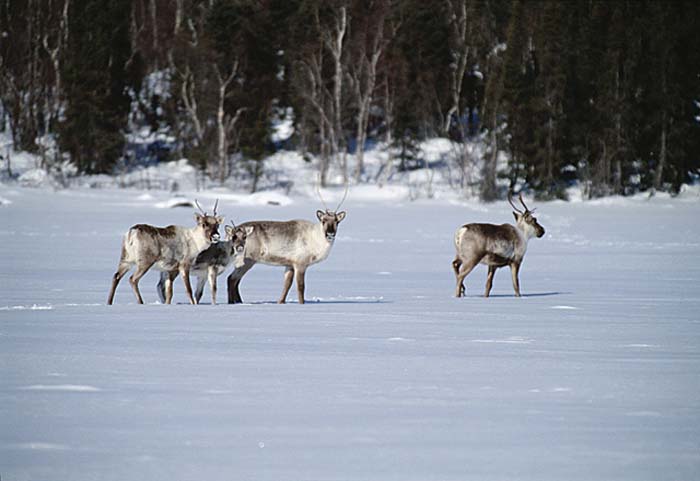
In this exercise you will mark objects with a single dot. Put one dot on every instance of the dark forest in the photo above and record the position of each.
(601, 93)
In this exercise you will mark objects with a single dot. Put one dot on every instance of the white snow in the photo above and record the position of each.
(283, 125)
(61, 387)
(383, 375)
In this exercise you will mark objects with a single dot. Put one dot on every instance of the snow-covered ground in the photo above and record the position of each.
(593, 375)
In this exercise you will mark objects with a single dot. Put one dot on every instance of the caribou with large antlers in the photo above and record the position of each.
(170, 249)
(294, 244)
(495, 246)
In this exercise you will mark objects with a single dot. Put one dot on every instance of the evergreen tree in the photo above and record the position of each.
(422, 88)
(518, 109)
(95, 80)
(547, 100)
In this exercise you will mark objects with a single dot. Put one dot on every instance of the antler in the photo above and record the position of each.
(199, 207)
(345, 194)
(510, 201)
(216, 204)
(318, 192)
(520, 196)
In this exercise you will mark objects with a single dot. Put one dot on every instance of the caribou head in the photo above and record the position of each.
(525, 221)
(237, 236)
(209, 223)
(330, 219)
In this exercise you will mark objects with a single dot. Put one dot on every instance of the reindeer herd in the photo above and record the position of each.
(294, 245)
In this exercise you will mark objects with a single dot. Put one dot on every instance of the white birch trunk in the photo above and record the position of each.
(460, 55)
(179, 7)
(336, 48)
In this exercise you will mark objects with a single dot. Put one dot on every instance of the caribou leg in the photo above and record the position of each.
(489, 280)
(199, 290)
(234, 280)
(514, 269)
(136, 277)
(185, 273)
(300, 274)
(288, 277)
(168, 286)
(121, 270)
(212, 284)
(464, 271)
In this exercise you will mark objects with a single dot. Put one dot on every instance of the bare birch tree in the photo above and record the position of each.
(371, 42)
(317, 99)
(460, 23)
(333, 36)
(225, 123)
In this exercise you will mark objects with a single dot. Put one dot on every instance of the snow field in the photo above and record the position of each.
(592, 375)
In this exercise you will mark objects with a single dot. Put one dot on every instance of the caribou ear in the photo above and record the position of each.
(517, 216)
(198, 218)
(229, 230)
(219, 219)
(249, 229)
(320, 214)
(340, 216)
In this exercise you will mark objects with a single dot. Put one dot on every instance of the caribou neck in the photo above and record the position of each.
(199, 238)
(525, 231)
(321, 234)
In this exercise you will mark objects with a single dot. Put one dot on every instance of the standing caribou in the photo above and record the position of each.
(170, 249)
(213, 261)
(495, 246)
(294, 244)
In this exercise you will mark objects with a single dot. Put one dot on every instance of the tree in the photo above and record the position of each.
(320, 68)
(372, 33)
(95, 79)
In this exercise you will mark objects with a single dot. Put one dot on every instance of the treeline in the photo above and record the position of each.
(605, 93)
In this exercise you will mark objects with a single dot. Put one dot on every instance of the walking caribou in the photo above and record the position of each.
(495, 246)
(213, 261)
(170, 249)
(294, 245)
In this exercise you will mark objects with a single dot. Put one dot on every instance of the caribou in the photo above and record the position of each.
(170, 249)
(495, 246)
(213, 261)
(294, 245)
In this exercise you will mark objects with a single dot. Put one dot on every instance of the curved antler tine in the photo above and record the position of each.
(510, 201)
(345, 194)
(520, 196)
(234, 225)
(199, 207)
(216, 204)
(318, 192)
